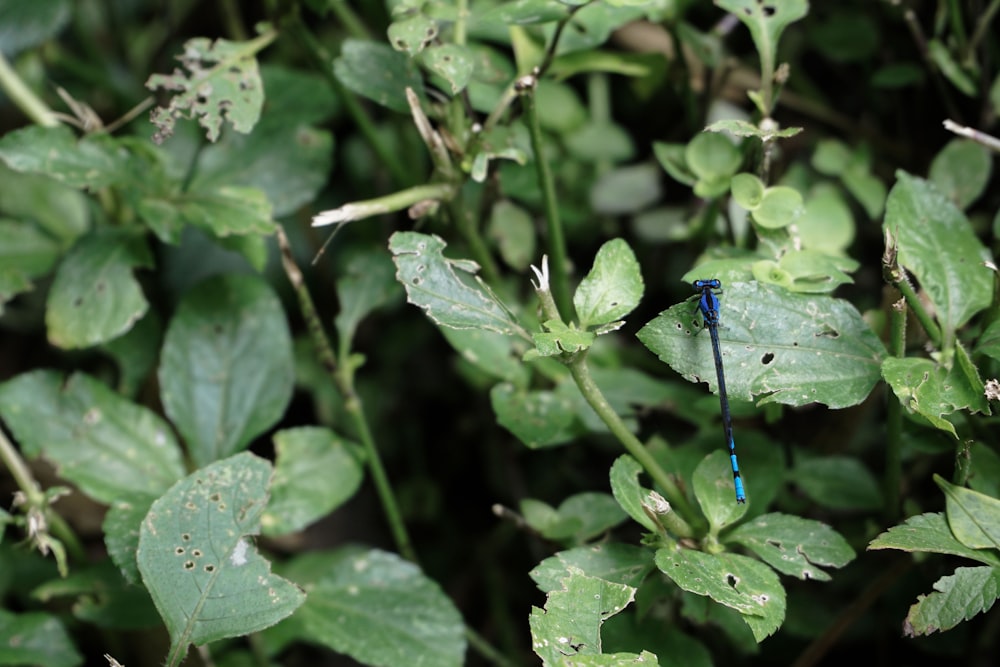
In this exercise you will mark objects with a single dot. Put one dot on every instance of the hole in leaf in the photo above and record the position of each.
(210, 568)
(179, 551)
(196, 553)
(767, 358)
(215, 497)
(189, 565)
(731, 580)
(186, 537)
(417, 280)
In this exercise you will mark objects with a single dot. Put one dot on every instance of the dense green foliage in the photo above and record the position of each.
(224, 424)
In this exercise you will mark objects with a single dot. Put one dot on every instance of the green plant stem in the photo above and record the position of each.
(469, 229)
(390, 203)
(595, 398)
(355, 26)
(343, 375)
(23, 97)
(323, 63)
(35, 497)
(557, 242)
(982, 26)
(925, 319)
(894, 419)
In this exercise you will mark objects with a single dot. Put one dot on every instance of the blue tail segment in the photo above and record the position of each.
(708, 304)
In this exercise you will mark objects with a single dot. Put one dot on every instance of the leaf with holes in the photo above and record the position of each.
(616, 562)
(94, 296)
(447, 289)
(738, 582)
(793, 545)
(226, 367)
(766, 20)
(793, 349)
(199, 562)
(223, 84)
(100, 441)
(570, 624)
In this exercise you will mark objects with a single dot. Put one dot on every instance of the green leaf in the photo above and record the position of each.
(626, 189)
(713, 487)
(616, 562)
(826, 224)
(974, 517)
(92, 162)
(937, 244)
(101, 597)
(930, 532)
(793, 545)
(121, 532)
(951, 69)
(779, 206)
(382, 610)
(671, 158)
(228, 210)
(932, 391)
(837, 482)
(570, 624)
(766, 19)
(223, 84)
(748, 190)
(61, 212)
(579, 518)
(453, 62)
(226, 367)
(832, 157)
(36, 638)
(24, 25)
(495, 354)
(712, 156)
(26, 248)
(794, 349)
(412, 35)
(375, 71)
(813, 271)
(738, 582)
(562, 338)
(600, 142)
(285, 156)
(513, 230)
(970, 591)
(94, 297)
(526, 12)
(458, 300)
(198, 560)
(742, 128)
(627, 491)
(612, 288)
(538, 418)
(961, 171)
(315, 472)
(367, 283)
(103, 443)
